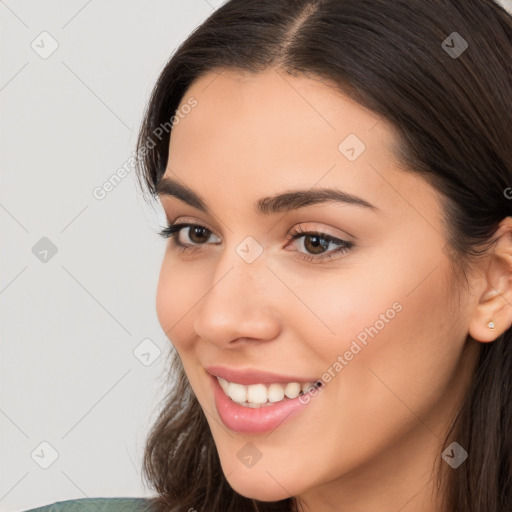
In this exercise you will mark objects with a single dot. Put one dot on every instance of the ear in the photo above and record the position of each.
(495, 302)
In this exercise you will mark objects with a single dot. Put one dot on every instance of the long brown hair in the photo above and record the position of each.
(451, 107)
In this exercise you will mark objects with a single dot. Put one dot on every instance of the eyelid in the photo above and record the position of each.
(293, 234)
(181, 219)
(345, 246)
(314, 227)
(304, 227)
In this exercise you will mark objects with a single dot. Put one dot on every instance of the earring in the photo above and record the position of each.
(490, 325)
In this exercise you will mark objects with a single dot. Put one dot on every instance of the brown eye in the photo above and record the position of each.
(198, 234)
(315, 244)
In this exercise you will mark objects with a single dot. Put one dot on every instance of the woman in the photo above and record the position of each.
(336, 175)
(404, 107)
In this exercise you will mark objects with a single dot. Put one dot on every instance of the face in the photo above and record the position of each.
(362, 299)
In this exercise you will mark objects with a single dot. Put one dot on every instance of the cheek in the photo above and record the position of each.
(350, 302)
(399, 351)
(369, 299)
(177, 292)
(385, 329)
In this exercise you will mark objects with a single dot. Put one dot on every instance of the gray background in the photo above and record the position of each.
(82, 352)
(70, 324)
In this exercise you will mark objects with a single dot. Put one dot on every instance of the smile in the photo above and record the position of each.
(263, 395)
(259, 408)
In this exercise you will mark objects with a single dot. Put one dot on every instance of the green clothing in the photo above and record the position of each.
(97, 505)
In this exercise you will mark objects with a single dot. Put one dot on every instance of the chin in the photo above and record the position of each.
(265, 490)
(260, 483)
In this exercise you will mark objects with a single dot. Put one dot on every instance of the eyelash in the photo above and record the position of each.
(171, 231)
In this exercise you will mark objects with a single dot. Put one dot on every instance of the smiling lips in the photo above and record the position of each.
(250, 376)
(260, 395)
(255, 402)
(256, 418)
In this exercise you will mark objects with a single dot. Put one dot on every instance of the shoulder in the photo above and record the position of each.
(98, 505)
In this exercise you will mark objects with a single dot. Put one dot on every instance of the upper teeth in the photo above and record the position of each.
(259, 393)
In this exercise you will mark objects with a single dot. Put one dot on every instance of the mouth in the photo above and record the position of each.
(260, 407)
(263, 395)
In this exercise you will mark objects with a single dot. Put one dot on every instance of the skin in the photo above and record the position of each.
(370, 439)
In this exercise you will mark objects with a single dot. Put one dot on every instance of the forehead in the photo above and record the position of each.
(275, 102)
(260, 133)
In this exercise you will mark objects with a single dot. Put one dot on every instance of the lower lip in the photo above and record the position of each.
(253, 420)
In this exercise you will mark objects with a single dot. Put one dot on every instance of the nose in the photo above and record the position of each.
(239, 305)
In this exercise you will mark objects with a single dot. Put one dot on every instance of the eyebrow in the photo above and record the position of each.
(267, 205)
